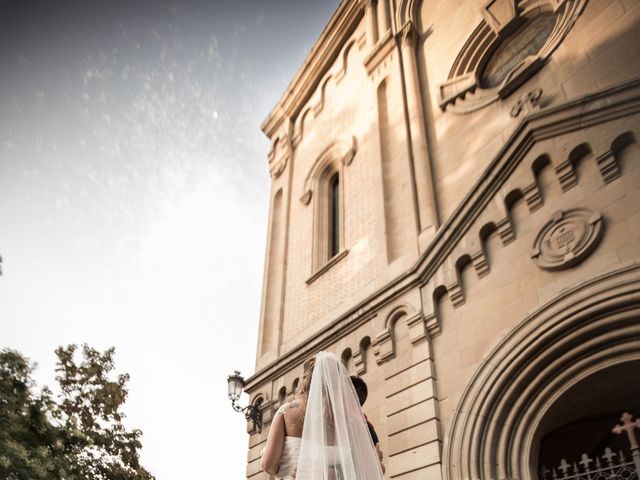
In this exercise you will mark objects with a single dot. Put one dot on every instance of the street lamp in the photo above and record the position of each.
(252, 413)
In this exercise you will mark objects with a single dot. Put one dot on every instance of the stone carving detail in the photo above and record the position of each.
(342, 151)
(455, 294)
(479, 260)
(566, 175)
(278, 156)
(499, 14)
(510, 45)
(359, 363)
(532, 196)
(505, 230)
(608, 166)
(527, 103)
(567, 239)
(306, 197)
(383, 348)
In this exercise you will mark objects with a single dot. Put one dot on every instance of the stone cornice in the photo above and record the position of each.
(318, 61)
(605, 105)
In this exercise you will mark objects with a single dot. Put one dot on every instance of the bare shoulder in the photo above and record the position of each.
(293, 410)
(285, 407)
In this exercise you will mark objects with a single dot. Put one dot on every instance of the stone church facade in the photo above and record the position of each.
(455, 212)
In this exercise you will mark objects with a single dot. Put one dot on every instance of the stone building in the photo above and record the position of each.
(455, 212)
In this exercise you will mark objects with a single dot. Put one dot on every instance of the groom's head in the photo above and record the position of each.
(361, 388)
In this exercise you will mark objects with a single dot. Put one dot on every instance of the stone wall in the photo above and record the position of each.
(491, 231)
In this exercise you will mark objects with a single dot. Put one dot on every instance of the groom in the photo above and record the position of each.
(363, 392)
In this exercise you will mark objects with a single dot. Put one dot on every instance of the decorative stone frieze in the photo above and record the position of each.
(505, 230)
(608, 166)
(432, 325)
(359, 364)
(564, 241)
(567, 239)
(566, 175)
(455, 294)
(383, 347)
(532, 196)
(479, 260)
(417, 328)
(606, 113)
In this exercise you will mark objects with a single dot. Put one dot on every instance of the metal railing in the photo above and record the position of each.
(608, 466)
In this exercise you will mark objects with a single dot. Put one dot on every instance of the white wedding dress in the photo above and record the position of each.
(289, 458)
(336, 443)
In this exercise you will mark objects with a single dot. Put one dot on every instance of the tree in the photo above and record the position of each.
(77, 434)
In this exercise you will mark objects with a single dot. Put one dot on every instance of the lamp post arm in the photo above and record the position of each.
(237, 407)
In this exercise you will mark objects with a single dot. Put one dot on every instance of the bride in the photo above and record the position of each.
(323, 435)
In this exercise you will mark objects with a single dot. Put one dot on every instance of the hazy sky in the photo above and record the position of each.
(134, 197)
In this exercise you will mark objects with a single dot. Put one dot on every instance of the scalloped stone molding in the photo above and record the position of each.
(459, 235)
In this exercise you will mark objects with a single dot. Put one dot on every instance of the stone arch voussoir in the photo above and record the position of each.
(492, 434)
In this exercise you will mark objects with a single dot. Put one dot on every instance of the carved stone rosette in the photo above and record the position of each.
(567, 239)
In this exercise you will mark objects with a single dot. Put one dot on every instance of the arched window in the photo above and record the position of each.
(324, 188)
(334, 215)
(328, 238)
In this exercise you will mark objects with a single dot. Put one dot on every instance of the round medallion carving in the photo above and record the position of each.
(567, 239)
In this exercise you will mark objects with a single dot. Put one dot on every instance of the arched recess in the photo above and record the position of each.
(263, 404)
(299, 125)
(259, 400)
(396, 329)
(347, 359)
(489, 237)
(360, 356)
(496, 428)
(465, 274)
(543, 176)
(567, 171)
(515, 205)
(294, 386)
(340, 74)
(282, 395)
(324, 85)
(386, 341)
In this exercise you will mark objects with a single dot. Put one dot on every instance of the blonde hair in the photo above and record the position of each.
(307, 373)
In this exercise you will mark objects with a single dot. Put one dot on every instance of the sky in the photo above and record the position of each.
(134, 196)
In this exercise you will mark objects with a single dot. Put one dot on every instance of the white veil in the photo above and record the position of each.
(336, 444)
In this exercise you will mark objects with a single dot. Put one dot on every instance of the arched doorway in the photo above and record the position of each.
(577, 429)
(566, 371)
(581, 421)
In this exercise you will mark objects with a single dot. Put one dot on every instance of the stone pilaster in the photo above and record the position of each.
(422, 163)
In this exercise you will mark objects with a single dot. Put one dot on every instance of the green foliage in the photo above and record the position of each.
(78, 435)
